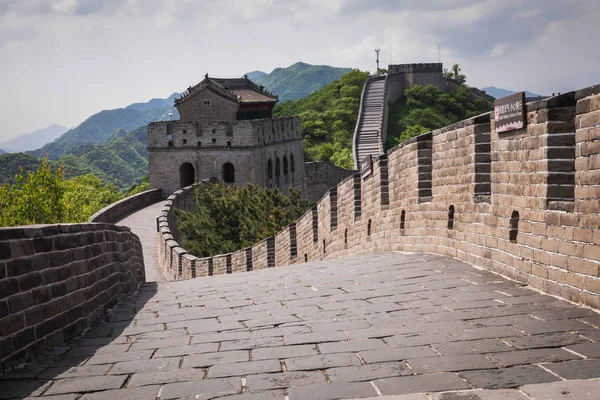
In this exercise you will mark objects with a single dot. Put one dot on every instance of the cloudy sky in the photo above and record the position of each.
(63, 60)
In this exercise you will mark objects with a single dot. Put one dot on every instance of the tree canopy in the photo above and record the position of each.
(424, 108)
(328, 118)
(46, 196)
(230, 218)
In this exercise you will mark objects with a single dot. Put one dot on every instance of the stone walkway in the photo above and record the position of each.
(373, 326)
(143, 224)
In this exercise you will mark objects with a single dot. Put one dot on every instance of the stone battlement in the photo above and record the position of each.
(524, 204)
(246, 133)
(417, 67)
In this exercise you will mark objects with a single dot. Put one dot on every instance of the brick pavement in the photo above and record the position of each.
(391, 326)
(143, 224)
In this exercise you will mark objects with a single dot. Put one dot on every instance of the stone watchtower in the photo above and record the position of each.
(226, 132)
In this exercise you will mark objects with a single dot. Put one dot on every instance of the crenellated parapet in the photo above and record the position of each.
(525, 204)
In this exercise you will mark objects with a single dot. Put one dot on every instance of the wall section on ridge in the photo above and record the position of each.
(525, 204)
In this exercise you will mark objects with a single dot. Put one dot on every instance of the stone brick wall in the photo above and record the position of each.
(525, 204)
(118, 210)
(57, 280)
(207, 146)
(219, 108)
(321, 176)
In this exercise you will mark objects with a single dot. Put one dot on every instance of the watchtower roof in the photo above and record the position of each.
(241, 90)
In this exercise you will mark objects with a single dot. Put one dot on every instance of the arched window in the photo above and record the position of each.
(186, 175)
(285, 165)
(228, 173)
(270, 169)
(402, 219)
(369, 228)
(277, 167)
(292, 167)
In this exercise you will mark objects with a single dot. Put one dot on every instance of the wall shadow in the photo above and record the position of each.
(34, 378)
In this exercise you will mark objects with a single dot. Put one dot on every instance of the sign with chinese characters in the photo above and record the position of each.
(366, 166)
(510, 112)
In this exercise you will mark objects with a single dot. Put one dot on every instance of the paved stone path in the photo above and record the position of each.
(143, 224)
(378, 325)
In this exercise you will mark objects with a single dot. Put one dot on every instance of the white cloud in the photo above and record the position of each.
(498, 50)
(63, 60)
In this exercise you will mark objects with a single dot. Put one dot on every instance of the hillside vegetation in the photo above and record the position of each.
(424, 108)
(329, 115)
(44, 195)
(121, 160)
(328, 118)
(298, 80)
(99, 127)
(231, 218)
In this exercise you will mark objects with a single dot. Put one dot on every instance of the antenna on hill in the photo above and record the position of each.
(377, 51)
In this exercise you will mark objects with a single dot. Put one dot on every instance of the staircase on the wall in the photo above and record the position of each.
(370, 124)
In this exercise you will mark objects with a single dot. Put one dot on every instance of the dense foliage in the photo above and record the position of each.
(45, 196)
(455, 73)
(230, 218)
(328, 118)
(99, 127)
(121, 160)
(298, 80)
(424, 108)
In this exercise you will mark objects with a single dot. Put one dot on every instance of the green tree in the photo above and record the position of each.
(34, 198)
(455, 74)
(230, 218)
(424, 108)
(84, 195)
(328, 118)
(44, 196)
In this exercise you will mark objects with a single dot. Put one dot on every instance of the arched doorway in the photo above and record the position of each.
(228, 173)
(186, 174)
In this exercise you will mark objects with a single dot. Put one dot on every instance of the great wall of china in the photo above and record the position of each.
(525, 204)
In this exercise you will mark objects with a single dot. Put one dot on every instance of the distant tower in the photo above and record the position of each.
(377, 51)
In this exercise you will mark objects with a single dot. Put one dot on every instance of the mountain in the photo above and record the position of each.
(33, 140)
(499, 93)
(100, 126)
(256, 75)
(298, 80)
(122, 159)
(155, 103)
(2, 151)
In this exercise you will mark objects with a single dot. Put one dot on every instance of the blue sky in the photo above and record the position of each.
(63, 60)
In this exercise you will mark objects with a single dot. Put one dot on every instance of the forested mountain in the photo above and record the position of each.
(121, 159)
(328, 117)
(100, 126)
(33, 140)
(298, 80)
